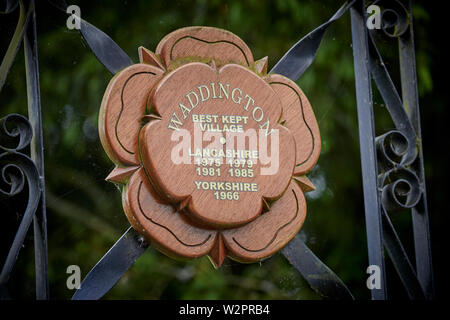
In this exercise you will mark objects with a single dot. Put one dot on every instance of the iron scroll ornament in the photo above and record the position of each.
(17, 171)
(399, 176)
(19, 134)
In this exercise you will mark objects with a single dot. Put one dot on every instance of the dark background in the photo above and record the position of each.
(85, 214)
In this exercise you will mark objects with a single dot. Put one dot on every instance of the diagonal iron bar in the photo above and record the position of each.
(14, 45)
(392, 99)
(301, 55)
(321, 278)
(104, 275)
(292, 65)
(104, 48)
(400, 259)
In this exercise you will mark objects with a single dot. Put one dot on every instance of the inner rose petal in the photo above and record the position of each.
(217, 146)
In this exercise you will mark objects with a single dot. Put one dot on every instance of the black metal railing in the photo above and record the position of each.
(392, 164)
(17, 133)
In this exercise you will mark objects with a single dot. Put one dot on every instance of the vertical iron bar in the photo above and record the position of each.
(422, 243)
(367, 145)
(37, 155)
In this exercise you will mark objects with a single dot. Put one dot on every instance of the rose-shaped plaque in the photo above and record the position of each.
(211, 150)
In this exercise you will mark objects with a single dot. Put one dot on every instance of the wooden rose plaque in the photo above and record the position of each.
(211, 151)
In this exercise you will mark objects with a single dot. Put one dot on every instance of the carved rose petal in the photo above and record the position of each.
(200, 43)
(123, 105)
(158, 141)
(231, 213)
(299, 117)
(164, 228)
(271, 231)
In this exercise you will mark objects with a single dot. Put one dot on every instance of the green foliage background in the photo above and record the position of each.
(84, 211)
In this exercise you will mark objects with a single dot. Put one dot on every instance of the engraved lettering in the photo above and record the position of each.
(174, 122)
(254, 114)
(188, 96)
(201, 92)
(237, 99)
(225, 92)
(184, 110)
(248, 102)
(211, 122)
(226, 185)
(213, 90)
(265, 126)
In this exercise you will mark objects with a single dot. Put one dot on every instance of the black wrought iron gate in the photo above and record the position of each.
(392, 164)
